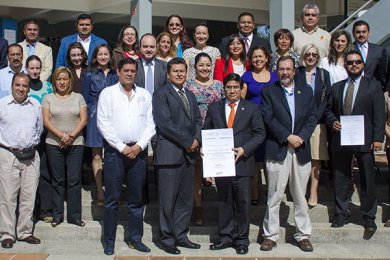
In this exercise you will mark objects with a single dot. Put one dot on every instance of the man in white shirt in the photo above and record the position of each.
(125, 120)
(15, 58)
(20, 130)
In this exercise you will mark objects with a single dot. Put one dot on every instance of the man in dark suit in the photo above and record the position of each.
(245, 26)
(374, 56)
(234, 193)
(3, 53)
(178, 124)
(290, 116)
(158, 68)
(357, 95)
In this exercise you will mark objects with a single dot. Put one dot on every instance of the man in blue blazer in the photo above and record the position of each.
(178, 124)
(3, 53)
(84, 35)
(234, 193)
(290, 116)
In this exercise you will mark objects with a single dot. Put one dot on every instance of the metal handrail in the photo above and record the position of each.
(351, 16)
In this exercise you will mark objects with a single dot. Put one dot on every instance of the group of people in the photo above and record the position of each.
(284, 108)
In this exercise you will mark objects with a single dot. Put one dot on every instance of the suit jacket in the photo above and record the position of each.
(45, 54)
(248, 130)
(67, 40)
(176, 130)
(3, 53)
(256, 41)
(376, 62)
(278, 121)
(160, 74)
(321, 91)
(369, 102)
(387, 50)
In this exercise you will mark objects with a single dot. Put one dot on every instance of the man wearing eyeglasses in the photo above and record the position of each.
(356, 95)
(309, 32)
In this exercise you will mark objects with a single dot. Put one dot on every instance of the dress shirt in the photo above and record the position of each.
(31, 48)
(228, 109)
(121, 120)
(364, 52)
(20, 124)
(289, 92)
(355, 89)
(85, 42)
(249, 39)
(6, 76)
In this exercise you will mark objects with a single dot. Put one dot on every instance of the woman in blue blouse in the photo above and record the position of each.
(175, 27)
(101, 74)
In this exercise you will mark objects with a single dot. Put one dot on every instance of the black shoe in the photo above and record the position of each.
(267, 245)
(170, 250)
(56, 222)
(7, 243)
(219, 245)
(188, 244)
(77, 222)
(369, 229)
(340, 221)
(109, 250)
(242, 249)
(139, 246)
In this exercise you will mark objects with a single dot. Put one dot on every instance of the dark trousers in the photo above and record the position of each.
(234, 209)
(176, 199)
(116, 168)
(65, 167)
(43, 202)
(342, 179)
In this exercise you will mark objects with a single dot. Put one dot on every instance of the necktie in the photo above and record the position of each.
(363, 52)
(231, 115)
(347, 107)
(246, 40)
(149, 78)
(185, 102)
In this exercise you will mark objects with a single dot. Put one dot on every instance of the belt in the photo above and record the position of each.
(15, 149)
(131, 144)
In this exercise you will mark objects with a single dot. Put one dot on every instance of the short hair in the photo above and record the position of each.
(31, 58)
(148, 34)
(20, 74)
(234, 77)
(76, 45)
(125, 61)
(172, 50)
(283, 32)
(309, 6)
(245, 14)
(351, 52)
(83, 17)
(266, 53)
(55, 75)
(176, 61)
(201, 55)
(31, 21)
(360, 23)
(284, 58)
(14, 45)
(305, 49)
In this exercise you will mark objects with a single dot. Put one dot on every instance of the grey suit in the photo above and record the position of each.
(176, 131)
(160, 74)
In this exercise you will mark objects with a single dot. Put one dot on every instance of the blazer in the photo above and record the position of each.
(376, 62)
(278, 121)
(67, 40)
(387, 86)
(175, 129)
(3, 53)
(256, 41)
(44, 52)
(248, 131)
(369, 102)
(160, 74)
(321, 91)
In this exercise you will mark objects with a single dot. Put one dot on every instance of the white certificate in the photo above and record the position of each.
(352, 130)
(218, 156)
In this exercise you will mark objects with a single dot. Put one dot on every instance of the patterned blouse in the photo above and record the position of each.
(275, 56)
(190, 55)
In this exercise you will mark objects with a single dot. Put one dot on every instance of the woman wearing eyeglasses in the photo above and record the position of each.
(340, 43)
(319, 81)
(175, 27)
(128, 45)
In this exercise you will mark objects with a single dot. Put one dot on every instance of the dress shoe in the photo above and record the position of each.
(77, 222)
(139, 246)
(219, 245)
(242, 249)
(369, 229)
(7, 243)
(387, 224)
(109, 250)
(267, 245)
(305, 245)
(340, 221)
(170, 250)
(31, 240)
(312, 204)
(56, 222)
(188, 244)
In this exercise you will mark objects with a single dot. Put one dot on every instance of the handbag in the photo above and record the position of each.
(22, 154)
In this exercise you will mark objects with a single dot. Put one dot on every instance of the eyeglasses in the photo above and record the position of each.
(174, 24)
(314, 55)
(351, 62)
(129, 34)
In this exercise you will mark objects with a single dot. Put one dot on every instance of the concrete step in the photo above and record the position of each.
(321, 233)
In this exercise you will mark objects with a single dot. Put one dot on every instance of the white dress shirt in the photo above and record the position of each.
(121, 120)
(228, 109)
(6, 75)
(20, 124)
(85, 42)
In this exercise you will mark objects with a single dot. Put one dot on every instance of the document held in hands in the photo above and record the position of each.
(352, 130)
(218, 156)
